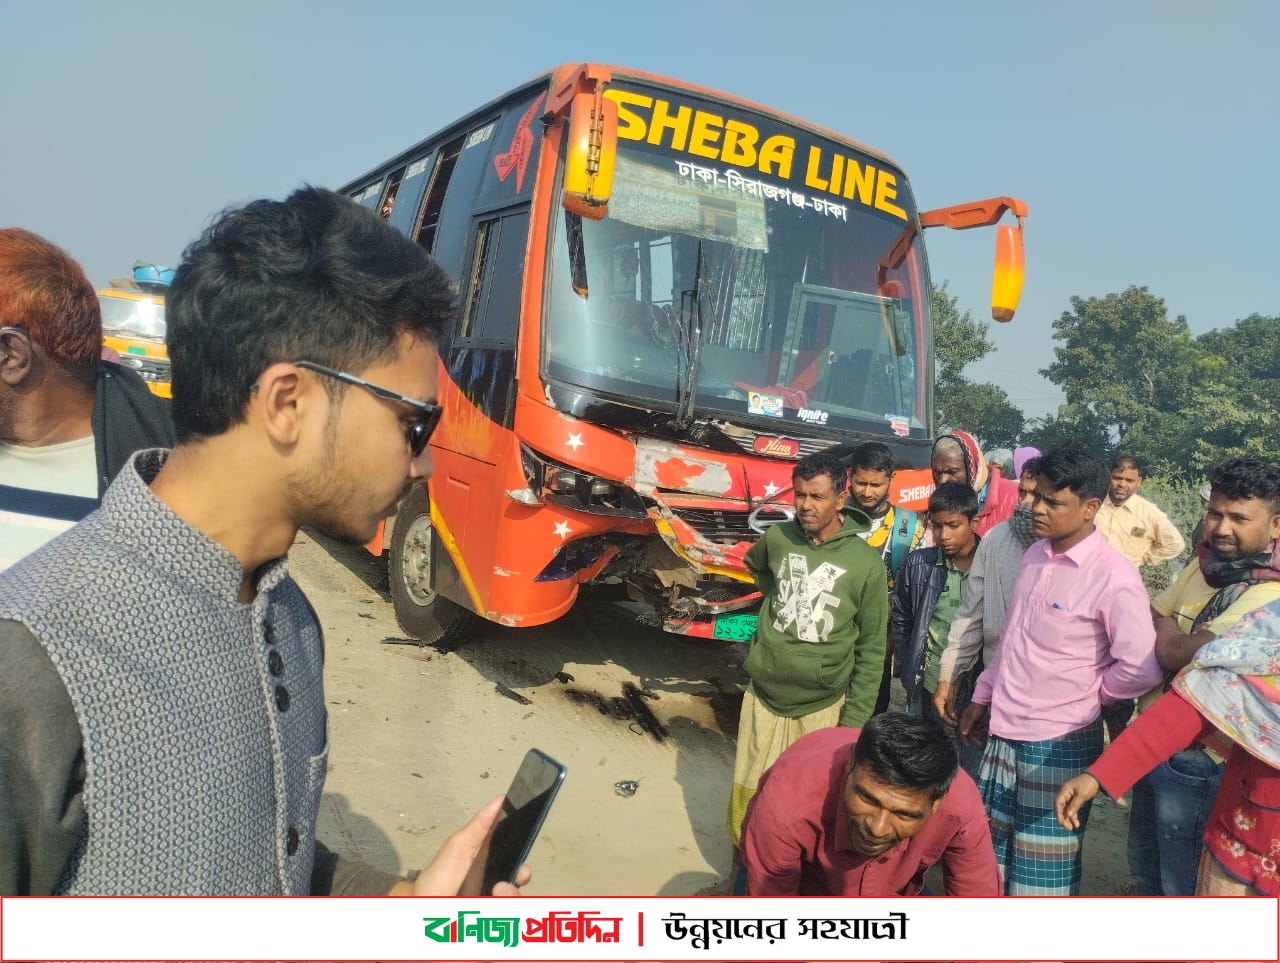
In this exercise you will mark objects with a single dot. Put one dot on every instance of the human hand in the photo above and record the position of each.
(1071, 797)
(973, 725)
(458, 869)
(944, 701)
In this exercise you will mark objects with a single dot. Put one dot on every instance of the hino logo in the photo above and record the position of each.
(766, 516)
(773, 445)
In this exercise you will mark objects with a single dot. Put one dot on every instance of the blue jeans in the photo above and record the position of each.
(1166, 823)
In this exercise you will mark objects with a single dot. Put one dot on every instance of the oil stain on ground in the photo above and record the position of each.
(632, 707)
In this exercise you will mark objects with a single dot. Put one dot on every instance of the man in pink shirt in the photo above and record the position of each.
(1078, 634)
(845, 812)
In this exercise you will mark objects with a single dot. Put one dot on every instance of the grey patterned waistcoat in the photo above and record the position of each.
(202, 717)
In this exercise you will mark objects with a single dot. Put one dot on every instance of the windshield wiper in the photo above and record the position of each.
(692, 331)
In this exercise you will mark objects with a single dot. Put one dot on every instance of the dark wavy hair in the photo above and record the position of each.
(315, 276)
(1242, 478)
(906, 751)
(1084, 474)
(822, 463)
(954, 497)
(872, 456)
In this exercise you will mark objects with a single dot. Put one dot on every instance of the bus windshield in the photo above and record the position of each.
(747, 298)
(133, 317)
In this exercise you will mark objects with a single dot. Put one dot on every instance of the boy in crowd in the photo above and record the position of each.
(927, 593)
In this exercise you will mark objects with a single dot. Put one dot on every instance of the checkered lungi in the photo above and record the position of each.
(762, 738)
(1019, 782)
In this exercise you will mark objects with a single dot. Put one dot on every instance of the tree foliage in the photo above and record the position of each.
(978, 407)
(1139, 382)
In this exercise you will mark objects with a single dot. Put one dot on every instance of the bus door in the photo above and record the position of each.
(480, 236)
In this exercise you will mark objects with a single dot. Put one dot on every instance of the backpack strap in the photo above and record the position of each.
(904, 529)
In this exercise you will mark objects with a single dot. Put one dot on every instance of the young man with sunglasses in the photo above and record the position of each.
(160, 672)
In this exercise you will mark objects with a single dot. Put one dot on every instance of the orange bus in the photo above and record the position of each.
(668, 296)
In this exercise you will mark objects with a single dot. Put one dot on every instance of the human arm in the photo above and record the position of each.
(756, 560)
(1166, 541)
(973, 722)
(901, 617)
(456, 870)
(41, 768)
(1125, 614)
(969, 865)
(1169, 725)
(872, 625)
(964, 638)
(772, 855)
(1175, 649)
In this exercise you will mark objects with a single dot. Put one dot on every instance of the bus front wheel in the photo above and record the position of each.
(421, 611)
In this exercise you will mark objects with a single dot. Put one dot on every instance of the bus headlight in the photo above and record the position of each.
(552, 481)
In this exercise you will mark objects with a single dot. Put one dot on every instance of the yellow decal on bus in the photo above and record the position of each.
(736, 142)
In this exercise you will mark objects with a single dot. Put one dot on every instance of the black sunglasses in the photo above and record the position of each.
(418, 433)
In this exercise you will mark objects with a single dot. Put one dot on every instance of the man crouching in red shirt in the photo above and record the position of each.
(845, 812)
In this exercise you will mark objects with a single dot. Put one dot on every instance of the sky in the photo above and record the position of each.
(1139, 133)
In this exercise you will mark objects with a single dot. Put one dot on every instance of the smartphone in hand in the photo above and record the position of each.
(523, 810)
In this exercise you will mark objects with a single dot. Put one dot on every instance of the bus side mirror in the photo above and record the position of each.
(591, 146)
(1006, 279)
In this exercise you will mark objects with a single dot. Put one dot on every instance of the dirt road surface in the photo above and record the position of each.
(421, 738)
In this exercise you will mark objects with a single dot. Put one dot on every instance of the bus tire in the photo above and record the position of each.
(421, 611)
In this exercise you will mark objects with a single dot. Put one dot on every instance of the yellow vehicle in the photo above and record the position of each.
(133, 324)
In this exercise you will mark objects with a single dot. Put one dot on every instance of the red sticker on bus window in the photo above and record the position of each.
(517, 155)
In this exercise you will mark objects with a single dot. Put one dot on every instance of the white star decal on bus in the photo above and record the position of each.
(771, 489)
(575, 440)
(563, 530)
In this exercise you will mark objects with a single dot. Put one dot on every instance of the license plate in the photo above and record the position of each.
(735, 628)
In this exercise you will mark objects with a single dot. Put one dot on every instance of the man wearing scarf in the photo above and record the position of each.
(1230, 690)
(957, 457)
(1237, 571)
(975, 630)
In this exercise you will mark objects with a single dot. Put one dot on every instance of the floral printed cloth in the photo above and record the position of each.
(1234, 682)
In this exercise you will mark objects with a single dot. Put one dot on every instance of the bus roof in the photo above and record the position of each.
(564, 71)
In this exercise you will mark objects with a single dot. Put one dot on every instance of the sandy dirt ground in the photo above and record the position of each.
(423, 737)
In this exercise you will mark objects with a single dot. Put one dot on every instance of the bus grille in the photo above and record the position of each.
(724, 527)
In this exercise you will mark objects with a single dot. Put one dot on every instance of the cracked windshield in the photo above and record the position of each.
(742, 295)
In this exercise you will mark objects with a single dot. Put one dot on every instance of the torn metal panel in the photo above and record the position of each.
(664, 465)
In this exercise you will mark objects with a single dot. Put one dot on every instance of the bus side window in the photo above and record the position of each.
(407, 210)
(368, 195)
(389, 194)
(496, 280)
(454, 229)
(425, 231)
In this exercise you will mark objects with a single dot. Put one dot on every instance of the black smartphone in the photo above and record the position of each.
(523, 811)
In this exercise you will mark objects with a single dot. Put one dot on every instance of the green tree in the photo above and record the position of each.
(1122, 359)
(978, 407)
(1139, 382)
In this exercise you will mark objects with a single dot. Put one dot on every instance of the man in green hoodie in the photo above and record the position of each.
(818, 651)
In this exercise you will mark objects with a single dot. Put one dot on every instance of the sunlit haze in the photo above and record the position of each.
(1140, 134)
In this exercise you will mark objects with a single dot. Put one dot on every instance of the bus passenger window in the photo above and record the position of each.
(492, 310)
(389, 195)
(425, 232)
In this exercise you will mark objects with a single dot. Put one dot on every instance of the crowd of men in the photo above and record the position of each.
(145, 729)
(1022, 634)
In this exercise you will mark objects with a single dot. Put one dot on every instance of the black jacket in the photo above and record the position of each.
(126, 417)
(915, 595)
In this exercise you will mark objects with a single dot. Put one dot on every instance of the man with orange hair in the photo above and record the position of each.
(68, 420)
